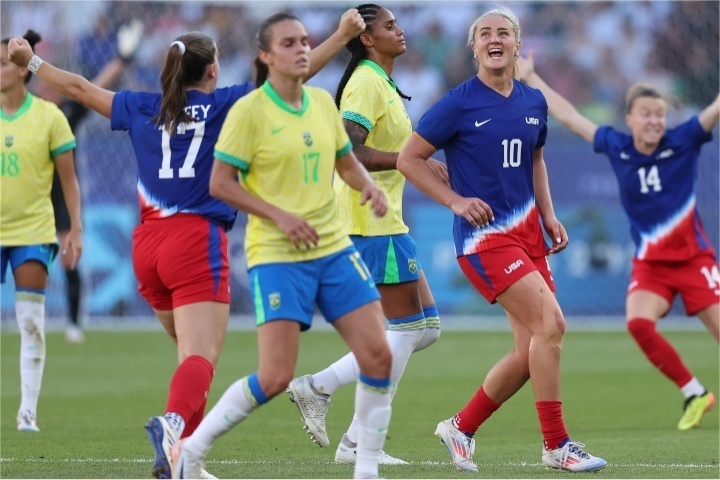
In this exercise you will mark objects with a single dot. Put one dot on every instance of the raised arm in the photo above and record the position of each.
(710, 116)
(351, 25)
(129, 36)
(544, 204)
(558, 106)
(72, 86)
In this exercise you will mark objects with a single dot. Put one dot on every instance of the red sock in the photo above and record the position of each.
(659, 351)
(195, 420)
(476, 412)
(189, 388)
(551, 423)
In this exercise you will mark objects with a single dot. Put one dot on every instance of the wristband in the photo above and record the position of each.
(34, 64)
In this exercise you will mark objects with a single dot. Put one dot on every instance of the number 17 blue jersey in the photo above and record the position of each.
(174, 171)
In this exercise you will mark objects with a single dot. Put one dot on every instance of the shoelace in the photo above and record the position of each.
(575, 448)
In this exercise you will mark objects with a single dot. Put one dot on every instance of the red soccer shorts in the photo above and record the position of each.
(180, 260)
(696, 280)
(492, 271)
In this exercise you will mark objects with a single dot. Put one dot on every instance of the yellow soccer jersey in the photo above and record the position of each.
(287, 158)
(32, 138)
(370, 99)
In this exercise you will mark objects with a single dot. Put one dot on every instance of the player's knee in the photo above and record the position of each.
(640, 328)
(376, 363)
(275, 384)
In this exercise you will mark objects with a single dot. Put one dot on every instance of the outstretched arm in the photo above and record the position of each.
(72, 86)
(710, 116)
(351, 25)
(558, 106)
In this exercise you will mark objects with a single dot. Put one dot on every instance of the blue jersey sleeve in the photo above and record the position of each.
(693, 131)
(124, 106)
(601, 143)
(234, 93)
(438, 125)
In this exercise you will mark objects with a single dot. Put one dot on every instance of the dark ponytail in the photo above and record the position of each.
(180, 71)
(33, 38)
(369, 13)
(263, 39)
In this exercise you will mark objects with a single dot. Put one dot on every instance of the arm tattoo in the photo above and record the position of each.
(371, 158)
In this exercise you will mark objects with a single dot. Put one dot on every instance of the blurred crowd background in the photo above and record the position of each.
(591, 52)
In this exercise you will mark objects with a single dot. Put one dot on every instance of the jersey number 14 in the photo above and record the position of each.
(187, 170)
(651, 179)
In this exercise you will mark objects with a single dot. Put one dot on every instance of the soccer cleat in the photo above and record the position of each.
(162, 437)
(460, 446)
(26, 421)
(348, 454)
(313, 407)
(695, 407)
(74, 335)
(571, 457)
(186, 465)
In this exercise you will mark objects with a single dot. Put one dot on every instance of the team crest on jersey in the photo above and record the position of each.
(9, 140)
(274, 299)
(412, 265)
(307, 138)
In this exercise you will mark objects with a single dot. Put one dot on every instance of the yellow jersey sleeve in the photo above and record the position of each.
(236, 142)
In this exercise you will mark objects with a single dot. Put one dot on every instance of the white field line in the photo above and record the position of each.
(287, 462)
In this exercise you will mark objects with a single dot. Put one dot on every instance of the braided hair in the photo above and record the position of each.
(369, 13)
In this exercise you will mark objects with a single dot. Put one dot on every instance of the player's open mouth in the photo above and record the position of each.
(495, 53)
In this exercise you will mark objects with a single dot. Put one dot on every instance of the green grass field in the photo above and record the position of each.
(96, 398)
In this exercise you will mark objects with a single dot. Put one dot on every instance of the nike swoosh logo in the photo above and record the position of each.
(277, 130)
(480, 124)
(391, 101)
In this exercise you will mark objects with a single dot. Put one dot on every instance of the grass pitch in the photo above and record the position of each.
(96, 398)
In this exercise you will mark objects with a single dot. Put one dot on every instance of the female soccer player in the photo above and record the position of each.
(286, 141)
(656, 169)
(37, 141)
(378, 126)
(180, 247)
(493, 129)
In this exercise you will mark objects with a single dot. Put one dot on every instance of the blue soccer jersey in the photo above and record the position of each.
(658, 190)
(174, 172)
(489, 142)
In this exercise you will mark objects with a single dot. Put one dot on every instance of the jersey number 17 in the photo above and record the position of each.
(187, 170)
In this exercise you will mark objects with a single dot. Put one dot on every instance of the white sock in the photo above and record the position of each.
(373, 412)
(30, 315)
(233, 407)
(430, 336)
(354, 429)
(176, 422)
(340, 373)
(693, 387)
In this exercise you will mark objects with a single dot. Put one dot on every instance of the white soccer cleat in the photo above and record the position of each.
(74, 335)
(573, 458)
(348, 455)
(26, 421)
(313, 407)
(460, 446)
(186, 465)
(162, 437)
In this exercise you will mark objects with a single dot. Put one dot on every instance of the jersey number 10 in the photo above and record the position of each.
(187, 170)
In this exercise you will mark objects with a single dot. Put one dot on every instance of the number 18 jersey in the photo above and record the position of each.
(657, 191)
(174, 171)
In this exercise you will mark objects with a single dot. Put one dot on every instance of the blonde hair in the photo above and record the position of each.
(508, 15)
(640, 90)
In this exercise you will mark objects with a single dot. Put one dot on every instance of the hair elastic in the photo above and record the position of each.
(180, 45)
